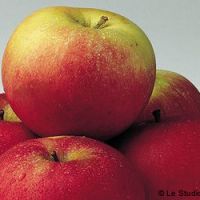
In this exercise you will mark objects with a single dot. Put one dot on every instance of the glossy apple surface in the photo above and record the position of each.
(167, 155)
(78, 71)
(173, 95)
(61, 168)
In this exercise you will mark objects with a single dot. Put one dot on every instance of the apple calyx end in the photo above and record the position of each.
(1, 114)
(54, 157)
(101, 22)
(156, 115)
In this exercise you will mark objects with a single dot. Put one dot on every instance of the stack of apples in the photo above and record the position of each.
(86, 115)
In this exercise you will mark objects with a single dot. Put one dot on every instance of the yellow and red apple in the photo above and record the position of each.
(6, 110)
(12, 133)
(12, 130)
(173, 95)
(78, 71)
(61, 168)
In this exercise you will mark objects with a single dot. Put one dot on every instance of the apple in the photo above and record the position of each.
(64, 167)
(167, 156)
(8, 113)
(12, 131)
(173, 95)
(78, 71)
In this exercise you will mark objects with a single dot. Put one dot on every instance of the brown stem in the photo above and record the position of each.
(101, 22)
(156, 114)
(55, 157)
(1, 114)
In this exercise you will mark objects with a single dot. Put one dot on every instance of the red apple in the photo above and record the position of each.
(8, 113)
(78, 71)
(61, 168)
(12, 131)
(167, 155)
(173, 95)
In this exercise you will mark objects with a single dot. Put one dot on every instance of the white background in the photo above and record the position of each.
(173, 26)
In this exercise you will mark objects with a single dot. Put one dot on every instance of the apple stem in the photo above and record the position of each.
(101, 22)
(1, 114)
(156, 114)
(54, 156)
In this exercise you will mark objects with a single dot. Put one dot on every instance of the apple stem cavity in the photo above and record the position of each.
(54, 156)
(156, 114)
(101, 22)
(1, 114)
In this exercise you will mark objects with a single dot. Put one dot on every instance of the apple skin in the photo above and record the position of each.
(167, 155)
(9, 114)
(12, 133)
(173, 95)
(84, 169)
(12, 130)
(75, 78)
